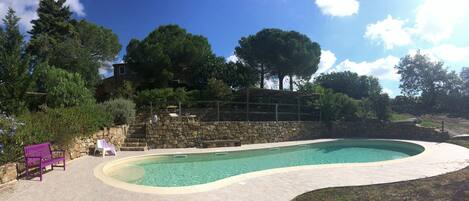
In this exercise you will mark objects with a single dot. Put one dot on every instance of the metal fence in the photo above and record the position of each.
(242, 111)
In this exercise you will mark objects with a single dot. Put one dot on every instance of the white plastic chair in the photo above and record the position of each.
(103, 147)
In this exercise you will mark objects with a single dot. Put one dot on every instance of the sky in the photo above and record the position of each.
(364, 36)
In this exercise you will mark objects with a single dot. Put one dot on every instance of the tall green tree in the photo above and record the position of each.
(282, 53)
(249, 54)
(171, 54)
(422, 76)
(465, 79)
(14, 66)
(78, 47)
(350, 83)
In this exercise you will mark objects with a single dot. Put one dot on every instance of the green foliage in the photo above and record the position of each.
(122, 110)
(125, 90)
(63, 89)
(160, 98)
(217, 90)
(380, 106)
(102, 44)
(280, 53)
(78, 47)
(14, 67)
(421, 76)
(333, 106)
(59, 125)
(169, 53)
(350, 83)
(465, 80)
(238, 75)
(337, 107)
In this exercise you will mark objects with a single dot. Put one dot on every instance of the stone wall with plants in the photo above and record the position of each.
(85, 145)
(187, 132)
(370, 129)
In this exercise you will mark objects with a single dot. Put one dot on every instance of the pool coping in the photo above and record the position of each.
(99, 171)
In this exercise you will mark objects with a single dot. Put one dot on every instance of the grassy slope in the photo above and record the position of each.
(451, 186)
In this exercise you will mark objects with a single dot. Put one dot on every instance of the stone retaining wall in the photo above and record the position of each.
(84, 145)
(186, 132)
(7, 173)
(404, 130)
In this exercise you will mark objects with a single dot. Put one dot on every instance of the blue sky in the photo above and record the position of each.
(364, 36)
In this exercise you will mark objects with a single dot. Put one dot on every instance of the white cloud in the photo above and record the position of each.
(382, 68)
(389, 92)
(390, 32)
(76, 6)
(338, 8)
(232, 58)
(436, 19)
(328, 60)
(26, 10)
(446, 52)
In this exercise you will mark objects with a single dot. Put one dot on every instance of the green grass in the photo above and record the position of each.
(428, 123)
(400, 117)
(451, 186)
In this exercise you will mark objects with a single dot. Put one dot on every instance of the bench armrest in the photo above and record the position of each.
(62, 152)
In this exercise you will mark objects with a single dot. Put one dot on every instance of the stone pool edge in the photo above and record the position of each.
(99, 171)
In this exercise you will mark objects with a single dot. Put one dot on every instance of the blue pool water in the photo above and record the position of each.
(192, 169)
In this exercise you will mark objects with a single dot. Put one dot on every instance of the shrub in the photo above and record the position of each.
(57, 125)
(160, 98)
(337, 106)
(380, 106)
(217, 90)
(64, 89)
(121, 110)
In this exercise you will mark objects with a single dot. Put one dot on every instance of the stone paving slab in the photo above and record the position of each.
(79, 183)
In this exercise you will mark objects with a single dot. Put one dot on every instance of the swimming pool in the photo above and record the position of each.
(182, 170)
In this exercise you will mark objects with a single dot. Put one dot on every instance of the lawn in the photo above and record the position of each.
(451, 186)
(400, 117)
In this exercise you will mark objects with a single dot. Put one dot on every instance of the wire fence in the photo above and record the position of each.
(240, 111)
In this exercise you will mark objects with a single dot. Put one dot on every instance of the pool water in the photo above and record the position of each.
(192, 169)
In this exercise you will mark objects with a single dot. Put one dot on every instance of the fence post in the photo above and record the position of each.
(180, 108)
(276, 112)
(218, 110)
(247, 104)
(299, 109)
(151, 109)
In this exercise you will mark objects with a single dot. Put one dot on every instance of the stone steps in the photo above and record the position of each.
(136, 138)
(134, 148)
(134, 144)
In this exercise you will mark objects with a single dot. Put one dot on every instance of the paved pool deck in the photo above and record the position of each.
(79, 182)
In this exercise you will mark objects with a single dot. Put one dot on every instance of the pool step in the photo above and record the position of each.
(134, 148)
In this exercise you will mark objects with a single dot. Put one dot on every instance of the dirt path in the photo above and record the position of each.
(455, 125)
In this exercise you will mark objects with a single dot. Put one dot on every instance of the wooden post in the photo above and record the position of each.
(180, 108)
(276, 112)
(442, 126)
(247, 104)
(218, 110)
(299, 109)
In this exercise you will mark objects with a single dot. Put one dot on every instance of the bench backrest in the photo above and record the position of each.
(37, 150)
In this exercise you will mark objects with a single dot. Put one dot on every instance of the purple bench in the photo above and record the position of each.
(41, 156)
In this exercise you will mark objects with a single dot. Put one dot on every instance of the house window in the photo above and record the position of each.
(122, 70)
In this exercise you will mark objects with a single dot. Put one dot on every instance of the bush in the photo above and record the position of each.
(160, 98)
(337, 107)
(64, 89)
(380, 106)
(121, 110)
(59, 125)
(217, 90)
